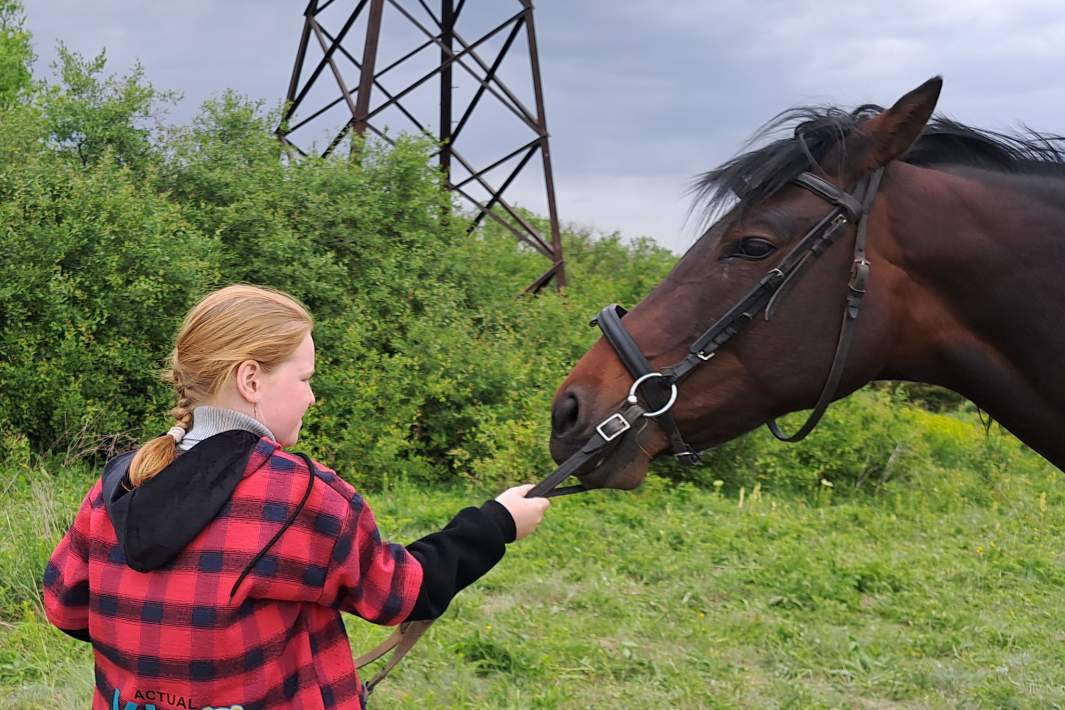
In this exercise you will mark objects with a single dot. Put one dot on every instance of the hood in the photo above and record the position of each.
(156, 520)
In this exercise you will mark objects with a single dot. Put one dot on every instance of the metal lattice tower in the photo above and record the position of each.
(482, 153)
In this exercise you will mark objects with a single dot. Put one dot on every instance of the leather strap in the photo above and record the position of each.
(831, 194)
(607, 436)
(855, 292)
(828, 391)
(813, 244)
(656, 391)
(402, 639)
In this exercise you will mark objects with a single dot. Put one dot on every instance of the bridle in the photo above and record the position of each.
(660, 388)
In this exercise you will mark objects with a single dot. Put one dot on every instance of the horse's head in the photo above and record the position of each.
(774, 366)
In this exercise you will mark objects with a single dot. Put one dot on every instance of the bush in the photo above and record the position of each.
(430, 366)
(861, 441)
(97, 269)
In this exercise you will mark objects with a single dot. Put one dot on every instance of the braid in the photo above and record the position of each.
(183, 411)
(158, 453)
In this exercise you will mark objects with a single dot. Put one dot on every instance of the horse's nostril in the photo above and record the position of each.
(565, 413)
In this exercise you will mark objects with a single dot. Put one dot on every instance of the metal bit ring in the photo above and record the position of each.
(632, 399)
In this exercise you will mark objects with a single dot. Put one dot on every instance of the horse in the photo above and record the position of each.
(962, 266)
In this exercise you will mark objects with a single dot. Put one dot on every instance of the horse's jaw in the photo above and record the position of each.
(626, 466)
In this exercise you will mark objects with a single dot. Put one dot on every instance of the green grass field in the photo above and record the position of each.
(940, 590)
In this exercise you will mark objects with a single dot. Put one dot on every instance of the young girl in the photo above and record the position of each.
(209, 567)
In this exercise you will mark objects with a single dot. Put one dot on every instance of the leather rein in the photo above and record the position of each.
(660, 387)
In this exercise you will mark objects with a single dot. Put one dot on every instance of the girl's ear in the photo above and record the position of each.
(888, 135)
(247, 380)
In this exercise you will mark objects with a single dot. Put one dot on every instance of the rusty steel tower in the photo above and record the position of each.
(472, 55)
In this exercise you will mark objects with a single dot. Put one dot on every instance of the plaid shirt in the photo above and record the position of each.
(172, 637)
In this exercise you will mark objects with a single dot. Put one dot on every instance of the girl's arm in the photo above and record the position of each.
(470, 545)
(66, 576)
(337, 558)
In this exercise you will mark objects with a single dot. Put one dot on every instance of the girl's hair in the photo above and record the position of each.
(227, 327)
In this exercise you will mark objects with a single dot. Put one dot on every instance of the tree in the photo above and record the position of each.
(91, 115)
(16, 54)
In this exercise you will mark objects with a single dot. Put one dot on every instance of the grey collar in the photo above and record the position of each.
(208, 420)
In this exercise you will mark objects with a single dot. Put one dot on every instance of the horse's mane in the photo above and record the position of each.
(756, 174)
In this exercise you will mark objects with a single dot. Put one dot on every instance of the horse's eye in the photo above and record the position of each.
(750, 248)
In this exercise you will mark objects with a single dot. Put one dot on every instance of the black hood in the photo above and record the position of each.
(156, 520)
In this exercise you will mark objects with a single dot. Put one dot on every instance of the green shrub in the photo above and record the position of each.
(853, 445)
(97, 269)
(16, 54)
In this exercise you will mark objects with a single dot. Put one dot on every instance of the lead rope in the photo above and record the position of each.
(403, 640)
(589, 456)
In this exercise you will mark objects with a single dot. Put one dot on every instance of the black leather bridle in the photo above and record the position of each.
(660, 387)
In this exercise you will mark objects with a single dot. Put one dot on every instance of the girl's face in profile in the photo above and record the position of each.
(286, 393)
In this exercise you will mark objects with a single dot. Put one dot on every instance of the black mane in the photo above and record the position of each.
(753, 176)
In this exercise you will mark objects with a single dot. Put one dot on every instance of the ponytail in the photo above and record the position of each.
(161, 451)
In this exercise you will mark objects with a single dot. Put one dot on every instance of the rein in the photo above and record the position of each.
(660, 392)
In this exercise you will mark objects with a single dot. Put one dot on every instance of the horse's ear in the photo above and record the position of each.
(890, 134)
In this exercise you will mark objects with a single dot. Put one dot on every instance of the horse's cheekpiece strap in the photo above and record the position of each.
(661, 391)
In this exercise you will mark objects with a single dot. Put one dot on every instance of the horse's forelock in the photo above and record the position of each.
(751, 177)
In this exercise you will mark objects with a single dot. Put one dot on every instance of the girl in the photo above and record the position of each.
(209, 567)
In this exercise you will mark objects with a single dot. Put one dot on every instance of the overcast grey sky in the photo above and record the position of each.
(640, 95)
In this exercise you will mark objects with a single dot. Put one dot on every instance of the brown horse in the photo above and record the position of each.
(966, 242)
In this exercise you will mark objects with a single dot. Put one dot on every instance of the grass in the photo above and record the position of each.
(942, 589)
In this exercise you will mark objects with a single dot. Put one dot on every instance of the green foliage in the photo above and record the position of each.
(96, 267)
(90, 117)
(861, 441)
(16, 54)
(430, 367)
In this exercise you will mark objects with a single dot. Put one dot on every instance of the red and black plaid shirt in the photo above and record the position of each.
(173, 638)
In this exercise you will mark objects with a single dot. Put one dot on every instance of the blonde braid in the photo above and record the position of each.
(183, 411)
(158, 453)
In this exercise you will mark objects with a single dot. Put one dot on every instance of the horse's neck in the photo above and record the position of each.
(985, 298)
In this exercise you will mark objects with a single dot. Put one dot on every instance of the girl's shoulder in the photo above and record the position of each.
(327, 482)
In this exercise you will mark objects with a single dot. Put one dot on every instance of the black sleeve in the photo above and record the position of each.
(79, 634)
(470, 545)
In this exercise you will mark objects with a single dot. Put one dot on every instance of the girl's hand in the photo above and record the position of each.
(527, 512)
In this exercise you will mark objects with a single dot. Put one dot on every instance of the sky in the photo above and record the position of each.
(640, 97)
